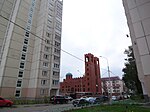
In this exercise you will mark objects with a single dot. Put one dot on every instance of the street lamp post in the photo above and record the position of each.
(110, 95)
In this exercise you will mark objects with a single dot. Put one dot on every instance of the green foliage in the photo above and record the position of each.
(130, 76)
(112, 108)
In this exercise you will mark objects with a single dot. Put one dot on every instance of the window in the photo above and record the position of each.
(20, 73)
(23, 56)
(25, 41)
(47, 41)
(87, 59)
(43, 82)
(45, 64)
(50, 16)
(44, 73)
(57, 44)
(19, 82)
(47, 34)
(43, 91)
(57, 36)
(24, 48)
(17, 94)
(22, 65)
(57, 51)
(58, 25)
(56, 65)
(56, 58)
(55, 82)
(46, 48)
(55, 73)
(46, 56)
(27, 34)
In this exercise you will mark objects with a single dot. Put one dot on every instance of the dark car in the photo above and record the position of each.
(101, 99)
(80, 102)
(58, 99)
(5, 102)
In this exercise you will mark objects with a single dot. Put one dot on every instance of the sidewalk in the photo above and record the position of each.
(31, 105)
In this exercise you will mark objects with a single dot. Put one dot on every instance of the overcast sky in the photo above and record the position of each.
(93, 26)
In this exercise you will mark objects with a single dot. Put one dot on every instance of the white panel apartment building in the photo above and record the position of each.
(138, 18)
(30, 42)
(113, 85)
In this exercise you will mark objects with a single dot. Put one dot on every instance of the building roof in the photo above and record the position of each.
(69, 74)
(111, 78)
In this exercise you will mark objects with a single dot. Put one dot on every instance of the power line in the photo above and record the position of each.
(43, 39)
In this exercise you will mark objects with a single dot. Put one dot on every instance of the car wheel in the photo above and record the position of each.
(57, 102)
(8, 104)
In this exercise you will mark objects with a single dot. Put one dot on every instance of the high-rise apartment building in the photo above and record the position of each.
(138, 18)
(30, 43)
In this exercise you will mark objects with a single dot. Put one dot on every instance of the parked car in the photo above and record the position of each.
(80, 102)
(69, 98)
(5, 102)
(101, 99)
(91, 99)
(58, 99)
(114, 98)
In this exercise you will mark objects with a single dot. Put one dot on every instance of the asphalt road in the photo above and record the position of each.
(38, 108)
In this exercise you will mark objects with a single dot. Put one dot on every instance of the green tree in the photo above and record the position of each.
(130, 76)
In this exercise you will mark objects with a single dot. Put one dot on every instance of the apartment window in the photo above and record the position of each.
(44, 73)
(56, 65)
(43, 82)
(51, 4)
(57, 44)
(57, 36)
(23, 56)
(50, 16)
(57, 51)
(19, 82)
(55, 73)
(51, 9)
(20, 73)
(45, 64)
(58, 26)
(24, 48)
(56, 58)
(55, 82)
(46, 48)
(47, 41)
(22, 65)
(45, 56)
(25, 41)
(47, 34)
(27, 34)
(17, 94)
(42, 91)
(49, 28)
(49, 21)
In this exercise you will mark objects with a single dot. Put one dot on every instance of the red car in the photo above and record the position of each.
(5, 102)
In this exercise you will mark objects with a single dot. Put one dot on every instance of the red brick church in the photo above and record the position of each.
(89, 83)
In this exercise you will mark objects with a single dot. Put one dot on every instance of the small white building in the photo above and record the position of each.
(112, 85)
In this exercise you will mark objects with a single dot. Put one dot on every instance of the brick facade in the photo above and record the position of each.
(90, 82)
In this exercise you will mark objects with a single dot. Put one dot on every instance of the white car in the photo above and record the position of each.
(114, 98)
